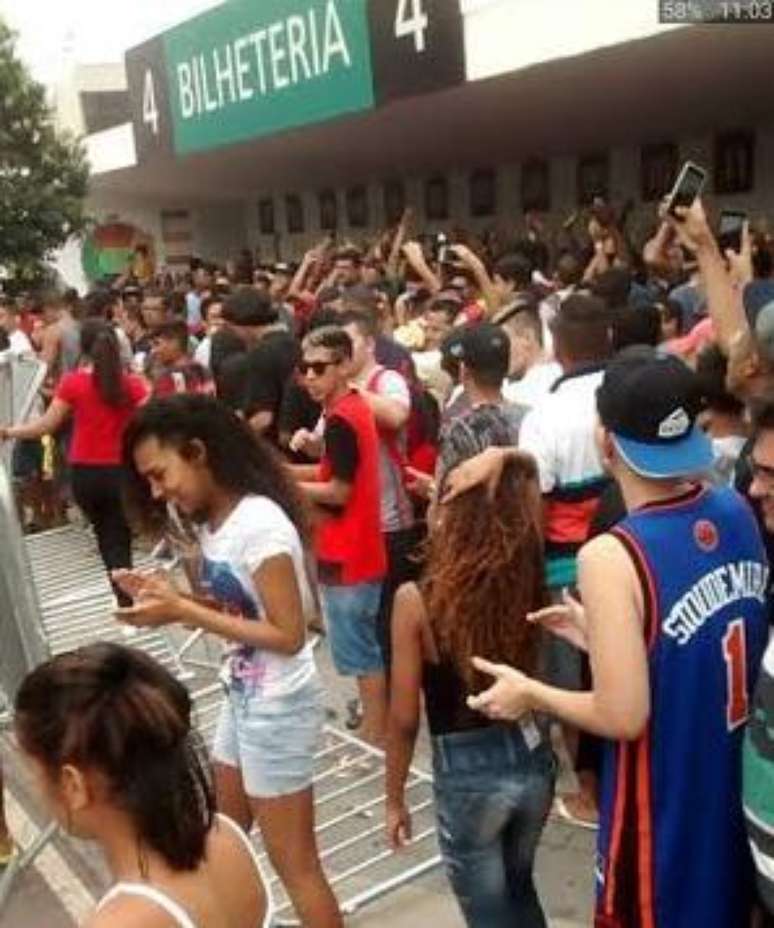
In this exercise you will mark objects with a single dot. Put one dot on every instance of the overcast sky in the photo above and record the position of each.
(96, 31)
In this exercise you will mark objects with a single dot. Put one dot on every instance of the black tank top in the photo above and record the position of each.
(445, 694)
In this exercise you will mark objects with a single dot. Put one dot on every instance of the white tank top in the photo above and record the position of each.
(168, 904)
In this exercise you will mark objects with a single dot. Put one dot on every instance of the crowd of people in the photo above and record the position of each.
(526, 487)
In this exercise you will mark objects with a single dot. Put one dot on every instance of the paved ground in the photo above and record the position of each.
(60, 889)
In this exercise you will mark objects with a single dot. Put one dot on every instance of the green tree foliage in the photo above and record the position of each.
(43, 174)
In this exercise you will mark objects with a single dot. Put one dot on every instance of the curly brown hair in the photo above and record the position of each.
(484, 573)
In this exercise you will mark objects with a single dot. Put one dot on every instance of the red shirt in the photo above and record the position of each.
(353, 537)
(189, 377)
(97, 427)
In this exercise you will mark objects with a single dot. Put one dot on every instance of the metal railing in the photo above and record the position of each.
(22, 641)
(54, 596)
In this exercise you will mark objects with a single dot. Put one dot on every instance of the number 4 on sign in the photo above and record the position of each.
(410, 19)
(150, 113)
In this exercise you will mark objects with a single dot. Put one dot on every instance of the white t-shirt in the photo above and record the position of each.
(255, 531)
(397, 511)
(534, 385)
(559, 432)
(203, 353)
(19, 343)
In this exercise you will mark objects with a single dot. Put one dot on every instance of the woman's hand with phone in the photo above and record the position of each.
(141, 584)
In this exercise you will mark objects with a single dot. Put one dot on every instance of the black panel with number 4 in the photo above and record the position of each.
(416, 45)
(146, 76)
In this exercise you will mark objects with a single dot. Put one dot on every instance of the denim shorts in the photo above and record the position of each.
(350, 619)
(271, 741)
(493, 793)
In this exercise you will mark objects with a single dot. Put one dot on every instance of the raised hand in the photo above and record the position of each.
(484, 469)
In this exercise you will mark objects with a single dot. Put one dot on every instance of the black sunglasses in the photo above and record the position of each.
(318, 368)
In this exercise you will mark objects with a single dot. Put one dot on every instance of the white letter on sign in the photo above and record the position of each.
(184, 83)
(335, 43)
(411, 23)
(150, 113)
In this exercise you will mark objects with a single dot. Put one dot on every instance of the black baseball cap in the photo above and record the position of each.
(249, 307)
(649, 401)
(483, 346)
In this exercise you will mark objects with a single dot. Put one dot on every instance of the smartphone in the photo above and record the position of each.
(689, 184)
(442, 248)
(730, 229)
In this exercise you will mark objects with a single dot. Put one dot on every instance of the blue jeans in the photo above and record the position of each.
(350, 619)
(492, 796)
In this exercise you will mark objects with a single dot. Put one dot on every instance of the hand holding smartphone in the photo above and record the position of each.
(730, 230)
(688, 186)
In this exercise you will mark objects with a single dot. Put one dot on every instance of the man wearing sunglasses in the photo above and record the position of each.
(344, 489)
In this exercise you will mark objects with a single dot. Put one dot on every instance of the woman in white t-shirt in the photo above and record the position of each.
(253, 590)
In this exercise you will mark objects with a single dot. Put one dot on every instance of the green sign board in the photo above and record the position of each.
(250, 69)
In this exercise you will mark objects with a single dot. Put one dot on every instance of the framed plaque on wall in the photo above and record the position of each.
(394, 193)
(266, 219)
(593, 178)
(734, 166)
(659, 165)
(294, 213)
(536, 185)
(437, 198)
(357, 207)
(329, 210)
(483, 193)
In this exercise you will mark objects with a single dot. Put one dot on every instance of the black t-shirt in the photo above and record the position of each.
(344, 456)
(226, 348)
(255, 381)
(341, 449)
(298, 411)
(225, 344)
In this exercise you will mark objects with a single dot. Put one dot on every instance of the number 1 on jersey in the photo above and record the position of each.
(735, 656)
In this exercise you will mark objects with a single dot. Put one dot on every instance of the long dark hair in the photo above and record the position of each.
(484, 573)
(114, 710)
(99, 343)
(238, 460)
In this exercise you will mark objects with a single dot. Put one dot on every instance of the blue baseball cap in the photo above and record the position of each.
(649, 401)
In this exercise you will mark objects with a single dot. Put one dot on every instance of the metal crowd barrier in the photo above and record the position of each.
(22, 642)
(349, 825)
(54, 596)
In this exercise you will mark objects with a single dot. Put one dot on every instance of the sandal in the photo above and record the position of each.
(561, 810)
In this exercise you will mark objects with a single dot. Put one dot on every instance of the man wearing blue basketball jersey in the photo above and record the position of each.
(674, 619)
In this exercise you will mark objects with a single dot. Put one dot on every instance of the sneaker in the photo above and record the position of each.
(354, 715)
